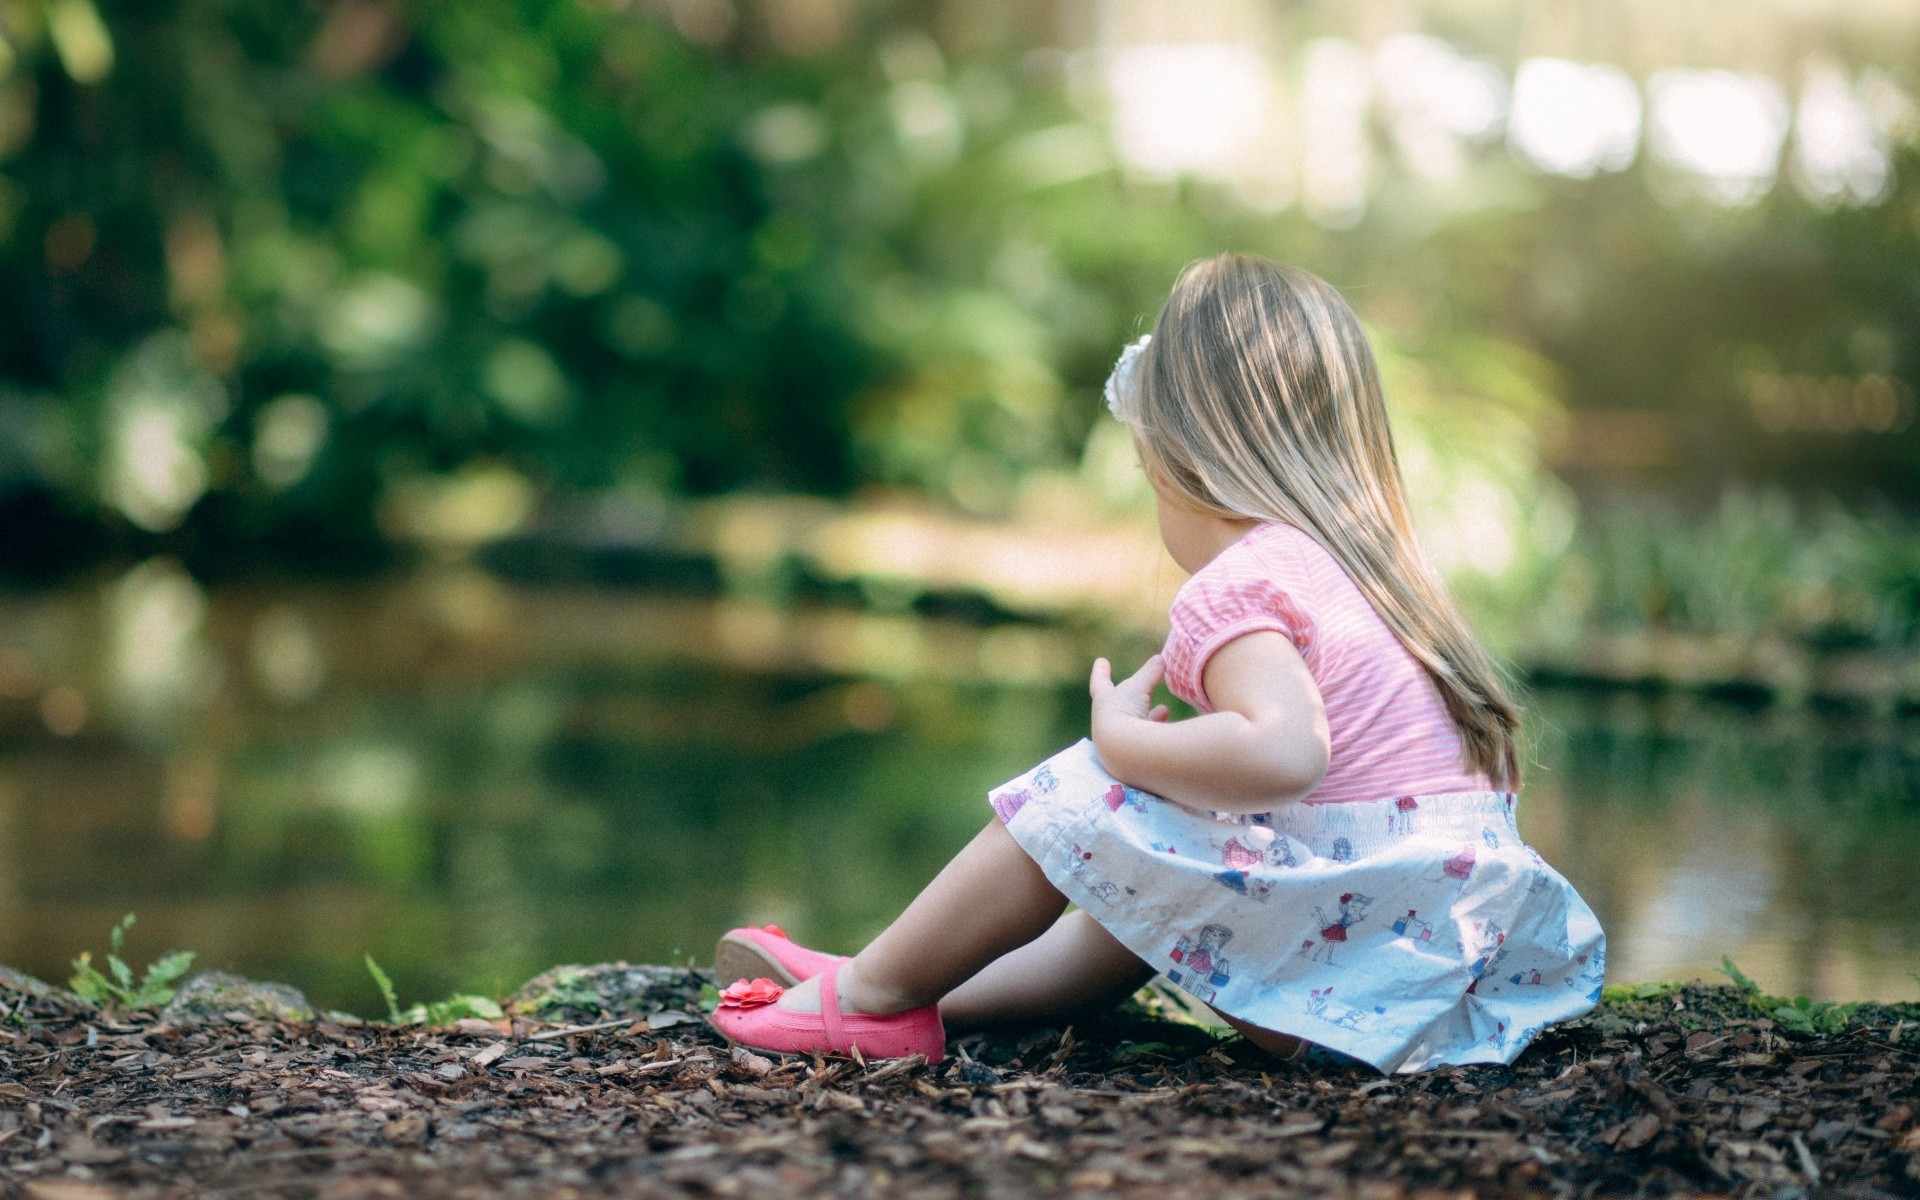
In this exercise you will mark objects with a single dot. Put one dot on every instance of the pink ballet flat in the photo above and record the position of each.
(765, 951)
(748, 1017)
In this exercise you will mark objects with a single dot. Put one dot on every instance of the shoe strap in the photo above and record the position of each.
(830, 1007)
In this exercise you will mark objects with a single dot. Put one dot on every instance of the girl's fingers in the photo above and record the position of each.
(1102, 680)
(1147, 677)
(1159, 712)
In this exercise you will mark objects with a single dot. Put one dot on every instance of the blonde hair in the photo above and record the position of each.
(1259, 398)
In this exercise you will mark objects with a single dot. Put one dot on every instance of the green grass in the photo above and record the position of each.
(117, 986)
(457, 1007)
(1798, 1014)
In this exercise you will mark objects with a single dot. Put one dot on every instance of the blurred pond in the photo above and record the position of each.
(473, 781)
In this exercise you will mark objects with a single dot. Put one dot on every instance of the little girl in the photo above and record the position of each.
(1327, 854)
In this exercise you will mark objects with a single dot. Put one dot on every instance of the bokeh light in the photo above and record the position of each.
(1574, 119)
(1723, 127)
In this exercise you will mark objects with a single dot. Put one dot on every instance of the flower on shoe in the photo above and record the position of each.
(775, 930)
(750, 993)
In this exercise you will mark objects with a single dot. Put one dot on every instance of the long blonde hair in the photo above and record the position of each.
(1259, 398)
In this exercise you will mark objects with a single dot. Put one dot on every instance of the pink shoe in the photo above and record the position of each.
(765, 951)
(748, 1017)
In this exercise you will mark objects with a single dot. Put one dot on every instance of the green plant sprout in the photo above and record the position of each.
(1799, 1014)
(457, 1007)
(1619, 993)
(381, 981)
(117, 987)
(571, 989)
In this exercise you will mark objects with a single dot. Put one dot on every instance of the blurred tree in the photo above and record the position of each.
(306, 279)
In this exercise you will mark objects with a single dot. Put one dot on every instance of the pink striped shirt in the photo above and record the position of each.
(1391, 735)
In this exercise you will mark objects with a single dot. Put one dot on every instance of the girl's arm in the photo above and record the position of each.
(1264, 746)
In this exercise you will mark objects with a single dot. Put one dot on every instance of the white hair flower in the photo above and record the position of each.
(1123, 385)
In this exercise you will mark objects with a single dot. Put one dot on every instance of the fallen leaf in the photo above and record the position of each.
(528, 1062)
(479, 1027)
(1752, 1117)
(1329, 1155)
(168, 1123)
(1639, 1131)
(1091, 1180)
(753, 1064)
(68, 1189)
(489, 1055)
(408, 1130)
(1026, 1147)
(86, 1151)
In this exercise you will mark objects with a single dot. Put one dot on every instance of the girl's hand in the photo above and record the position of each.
(1120, 709)
(1265, 745)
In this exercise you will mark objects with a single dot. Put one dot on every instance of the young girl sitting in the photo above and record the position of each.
(1327, 854)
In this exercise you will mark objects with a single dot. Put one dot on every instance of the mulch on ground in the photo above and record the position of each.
(1688, 1092)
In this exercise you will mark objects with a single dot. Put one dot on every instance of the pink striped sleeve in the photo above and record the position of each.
(1229, 598)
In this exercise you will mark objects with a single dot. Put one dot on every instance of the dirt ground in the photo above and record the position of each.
(1691, 1091)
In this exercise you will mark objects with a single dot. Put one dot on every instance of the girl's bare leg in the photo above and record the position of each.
(984, 939)
(1284, 1045)
(1073, 966)
(991, 899)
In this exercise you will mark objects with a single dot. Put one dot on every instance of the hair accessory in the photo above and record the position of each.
(1123, 385)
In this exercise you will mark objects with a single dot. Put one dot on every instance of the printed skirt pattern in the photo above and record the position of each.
(1409, 933)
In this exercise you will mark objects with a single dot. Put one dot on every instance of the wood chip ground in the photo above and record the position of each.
(1684, 1094)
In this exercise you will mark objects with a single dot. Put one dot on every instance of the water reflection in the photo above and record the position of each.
(473, 781)
(1784, 839)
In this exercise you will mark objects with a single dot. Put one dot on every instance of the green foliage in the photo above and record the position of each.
(1800, 1015)
(1814, 1016)
(709, 997)
(405, 274)
(1620, 993)
(1758, 571)
(1133, 1050)
(574, 990)
(387, 992)
(457, 1007)
(1739, 977)
(117, 986)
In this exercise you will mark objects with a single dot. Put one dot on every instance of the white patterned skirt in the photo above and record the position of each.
(1408, 933)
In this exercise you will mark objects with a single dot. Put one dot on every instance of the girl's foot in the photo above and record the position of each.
(855, 995)
(746, 1017)
(766, 952)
